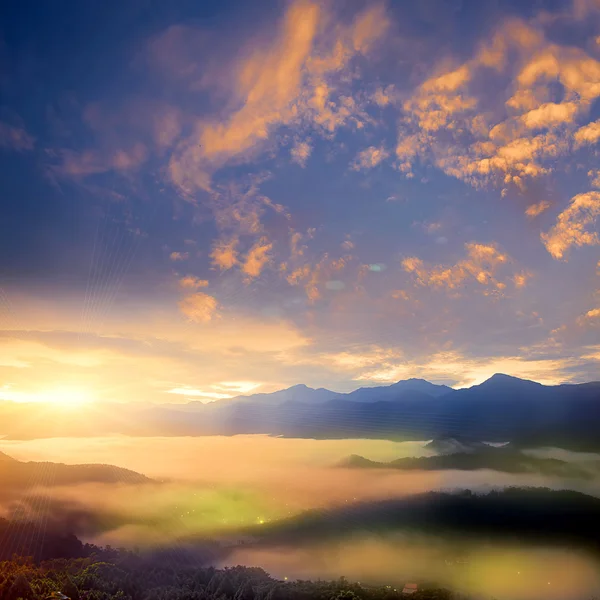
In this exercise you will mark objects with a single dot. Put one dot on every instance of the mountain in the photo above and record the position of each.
(398, 390)
(307, 395)
(535, 515)
(297, 393)
(501, 409)
(16, 475)
(504, 459)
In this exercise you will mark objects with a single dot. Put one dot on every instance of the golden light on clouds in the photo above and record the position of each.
(574, 226)
(199, 307)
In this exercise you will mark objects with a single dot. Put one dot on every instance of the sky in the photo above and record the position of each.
(202, 199)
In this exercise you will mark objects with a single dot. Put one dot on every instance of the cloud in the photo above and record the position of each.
(301, 152)
(167, 126)
(452, 120)
(177, 256)
(91, 162)
(207, 396)
(224, 254)
(284, 82)
(467, 371)
(369, 158)
(257, 258)
(199, 307)
(520, 279)
(588, 134)
(537, 209)
(573, 224)
(591, 317)
(480, 267)
(15, 138)
(550, 114)
(315, 277)
(383, 97)
(189, 282)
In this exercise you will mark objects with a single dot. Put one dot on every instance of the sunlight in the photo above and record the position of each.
(66, 396)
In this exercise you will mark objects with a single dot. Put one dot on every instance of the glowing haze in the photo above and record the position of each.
(202, 200)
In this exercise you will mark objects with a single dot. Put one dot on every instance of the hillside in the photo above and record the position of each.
(497, 459)
(16, 475)
(515, 514)
(501, 409)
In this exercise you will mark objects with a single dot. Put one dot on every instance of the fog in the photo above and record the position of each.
(515, 572)
(213, 487)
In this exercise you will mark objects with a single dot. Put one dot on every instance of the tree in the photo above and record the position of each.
(70, 589)
(20, 588)
(245, 592)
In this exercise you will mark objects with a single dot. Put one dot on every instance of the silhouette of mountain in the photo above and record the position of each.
(500, 409)
(297, 393)
(505, 460)
(16, 475)
(528, 514)
(307, 395)
(398, 390)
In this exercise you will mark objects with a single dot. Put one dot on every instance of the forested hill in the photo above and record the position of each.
(505, 460)
(16, 475)
(125, 576)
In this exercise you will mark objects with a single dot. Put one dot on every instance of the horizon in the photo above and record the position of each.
(191, 399)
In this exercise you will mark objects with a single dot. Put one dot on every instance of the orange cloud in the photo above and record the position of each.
(591, 317)
(594, 176)
(480, 266)
(199, 307)
(300, 153)
(369, 26)
(537, 209)
(520, 279)
(382, 97)
(445, 122)
(189, 282)
(175, 256)
(224, 254)
(572, 225)
(279, 84)
(588, 134)
(550, 114)
(321, 275)
(369, 158)
(257, 258)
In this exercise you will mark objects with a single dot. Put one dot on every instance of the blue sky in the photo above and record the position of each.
(223, 197)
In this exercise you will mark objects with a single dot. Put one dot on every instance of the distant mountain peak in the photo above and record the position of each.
(503, 378)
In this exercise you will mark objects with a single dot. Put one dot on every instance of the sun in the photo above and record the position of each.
(67, 396)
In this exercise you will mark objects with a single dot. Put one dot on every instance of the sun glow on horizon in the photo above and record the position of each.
(65, 396)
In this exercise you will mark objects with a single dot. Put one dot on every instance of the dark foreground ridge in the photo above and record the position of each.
(121, 575)
(524, 515)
